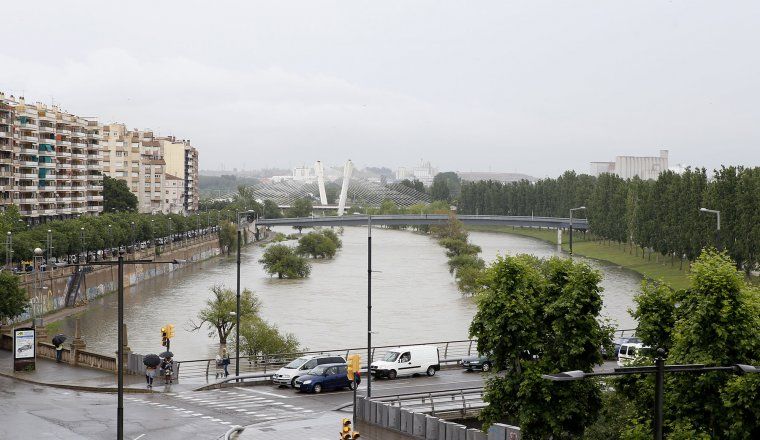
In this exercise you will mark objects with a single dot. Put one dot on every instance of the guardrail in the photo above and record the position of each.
(463, 401)
(450, 352)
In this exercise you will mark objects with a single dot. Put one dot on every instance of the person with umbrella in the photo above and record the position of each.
(58, 341)
(151, 361)
(167, 366)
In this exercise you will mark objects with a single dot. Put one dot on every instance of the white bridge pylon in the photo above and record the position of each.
(347, 170)
(320, 172)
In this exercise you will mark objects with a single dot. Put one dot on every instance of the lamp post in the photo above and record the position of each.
(571, 226)
(9, 250)
(237, 307)
(110, 240)
(659, 369)
(134, 251)
(153, 235)
(81, 242)
(49, 243)
(717, 233)
(369, 306)
(120, 331)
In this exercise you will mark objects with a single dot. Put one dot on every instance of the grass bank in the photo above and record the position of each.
(612, 253)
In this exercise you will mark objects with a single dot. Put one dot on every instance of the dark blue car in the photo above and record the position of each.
(324, 377)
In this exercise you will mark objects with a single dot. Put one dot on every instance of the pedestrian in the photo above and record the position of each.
(150, 373)
(59, 352)
(167, 367)
(225, 362)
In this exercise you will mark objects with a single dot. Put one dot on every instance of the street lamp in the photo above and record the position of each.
(9, 250)
(716, 212)
(237, 307)
(659, 370)
(81, 242)
(133, 240)
(571, 226)
(120, 353)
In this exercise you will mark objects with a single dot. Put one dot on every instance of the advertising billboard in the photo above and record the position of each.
(24, 345)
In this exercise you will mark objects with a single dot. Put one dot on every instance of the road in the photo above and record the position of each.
(30, 411)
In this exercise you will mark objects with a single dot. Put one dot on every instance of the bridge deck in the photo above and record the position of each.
(426, 219)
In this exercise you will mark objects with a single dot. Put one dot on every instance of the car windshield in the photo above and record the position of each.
(391, 356)
(296, 363)
(317, 371)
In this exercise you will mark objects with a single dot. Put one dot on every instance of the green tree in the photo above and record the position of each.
(301, 208)
(414, 184)
(271, 210)
(227, 237)
(540, 316)
(714, 322)
(317, 245)
(283, 261)
(258, 337)
(218, 315)
(117, 197)
(13, 298)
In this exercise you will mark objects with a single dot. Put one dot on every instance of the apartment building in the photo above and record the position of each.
(50, 161)
(182, 161)
(174, 194)
(137, 158)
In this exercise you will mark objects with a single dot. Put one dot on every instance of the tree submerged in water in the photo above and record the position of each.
(219, 314)
(283, 261)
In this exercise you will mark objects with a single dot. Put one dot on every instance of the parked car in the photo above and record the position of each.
(479, 362)
(407, 361)
(632, 352)
(624, 340)
(324, 377)
(288, 374)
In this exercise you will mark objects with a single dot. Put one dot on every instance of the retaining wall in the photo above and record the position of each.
(102, 279)
(379, 420)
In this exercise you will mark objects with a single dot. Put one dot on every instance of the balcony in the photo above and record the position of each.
(95, 187)
(79, 209)
(79, 177)
(47, 199)
(95, 136)
(63, 186)
(28, 188)
(79, 144)
(48, 188)
(77, 199)
(79, 156)
(28, 126)
(63, 165)
(30, 176)
(29, 150)
(95, 156)
(94, 198)
(28, 163)
(48, 211)
(47, 129)
(95, 208)
(63, 143)
(79, 166)
(5, 134)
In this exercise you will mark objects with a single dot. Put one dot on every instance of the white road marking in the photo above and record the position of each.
(139, 437)
(268, 394)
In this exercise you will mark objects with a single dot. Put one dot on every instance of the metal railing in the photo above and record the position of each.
(463, 401)
(449, 351)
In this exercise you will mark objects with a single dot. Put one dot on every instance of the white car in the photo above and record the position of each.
(631, 352)
(407, 361)
(288, 374)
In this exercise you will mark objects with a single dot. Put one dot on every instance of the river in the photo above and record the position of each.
(414, 297)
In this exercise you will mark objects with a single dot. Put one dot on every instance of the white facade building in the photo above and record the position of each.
(424, 172)
(627, 167)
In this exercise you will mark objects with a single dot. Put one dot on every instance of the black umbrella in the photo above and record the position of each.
(59, 339)
(151, 360)
(167, 354)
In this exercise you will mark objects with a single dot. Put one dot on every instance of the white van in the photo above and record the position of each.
(288, 374)
(632, 352)
(405, 361)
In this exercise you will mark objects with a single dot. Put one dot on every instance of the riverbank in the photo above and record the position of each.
(613, 253)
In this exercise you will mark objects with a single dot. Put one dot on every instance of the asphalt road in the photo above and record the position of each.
(30, 411)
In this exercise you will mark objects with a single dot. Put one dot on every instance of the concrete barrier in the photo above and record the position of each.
(387, 421)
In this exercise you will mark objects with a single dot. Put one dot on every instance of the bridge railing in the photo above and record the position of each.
(464, 401)
(450, 352)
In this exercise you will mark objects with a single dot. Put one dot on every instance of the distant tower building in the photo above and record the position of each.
(627, 167)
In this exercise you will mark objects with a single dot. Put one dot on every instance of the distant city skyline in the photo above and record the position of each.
(535, 87)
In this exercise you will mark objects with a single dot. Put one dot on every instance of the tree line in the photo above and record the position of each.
(660, 216)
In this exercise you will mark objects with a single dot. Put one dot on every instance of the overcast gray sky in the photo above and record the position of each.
(531, 86)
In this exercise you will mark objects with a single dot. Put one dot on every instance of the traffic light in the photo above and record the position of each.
(354, 365)
(345, 431)
(170, 331)
(164, 336)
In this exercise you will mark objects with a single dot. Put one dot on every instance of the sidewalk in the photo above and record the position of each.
(325, 427)
(50, 373)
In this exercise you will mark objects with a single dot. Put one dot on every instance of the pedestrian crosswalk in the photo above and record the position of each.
(240, 406)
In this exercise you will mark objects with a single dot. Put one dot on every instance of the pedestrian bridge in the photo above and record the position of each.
(426, 219)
